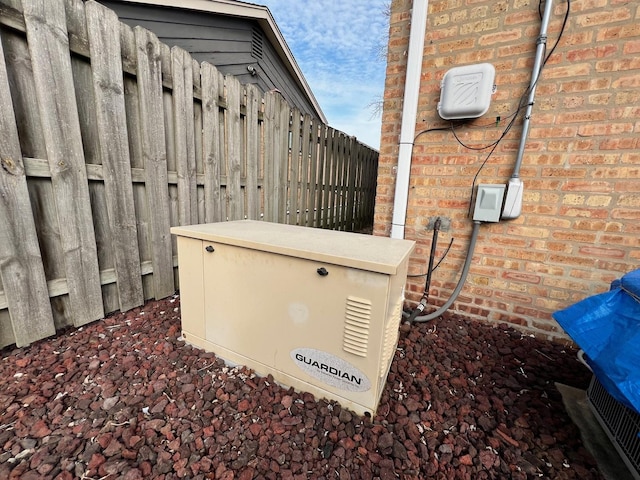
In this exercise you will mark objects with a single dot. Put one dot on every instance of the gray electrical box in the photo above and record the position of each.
(465, 92)
(488, 203)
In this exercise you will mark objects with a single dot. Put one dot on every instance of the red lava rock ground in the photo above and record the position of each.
(125, 398)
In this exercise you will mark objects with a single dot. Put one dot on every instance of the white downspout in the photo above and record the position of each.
(409, 115)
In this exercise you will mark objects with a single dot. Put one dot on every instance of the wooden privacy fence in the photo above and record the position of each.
(110, 137)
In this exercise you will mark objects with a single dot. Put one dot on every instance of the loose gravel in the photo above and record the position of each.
(126, 398)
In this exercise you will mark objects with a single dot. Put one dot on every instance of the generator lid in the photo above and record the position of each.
(365, 252)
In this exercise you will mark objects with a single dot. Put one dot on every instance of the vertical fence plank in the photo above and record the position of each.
(276, 157)
(282, 157)
(197, 138)
(323, 155)
(21, 268)
(371, 168)
(336, 181)
(294, 173)
(233, 141)
(345, 182)
(372, 180)
(104, 41)
(321, 143)
(183, 135)
(357, 161)
(313, 172)
(360, 196)
(76, 22)
(48, 45)
(350, 186)
(336, 185)
(268, 182)
(353, 159)
(331, 185)
(364, 202)
(252, 151)
(323, 181)
(339, 185)
(25, 105)
(155, 161)
(211, 143)
(304, 170)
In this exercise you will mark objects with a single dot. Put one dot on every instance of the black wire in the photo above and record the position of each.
(469, 147)
(433, 129)
(502, 135)
(437, 264)
(564, 24)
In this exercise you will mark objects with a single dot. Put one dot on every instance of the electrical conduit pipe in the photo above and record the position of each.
(515, 187)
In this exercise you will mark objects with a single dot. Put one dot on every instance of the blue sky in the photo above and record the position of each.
(337, 45)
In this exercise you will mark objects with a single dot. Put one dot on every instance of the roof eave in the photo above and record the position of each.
(263, 16)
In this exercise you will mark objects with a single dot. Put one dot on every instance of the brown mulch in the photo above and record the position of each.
(125, 398)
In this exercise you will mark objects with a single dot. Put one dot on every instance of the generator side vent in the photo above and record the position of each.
(620, 422)
(356, 326)
(390, 337)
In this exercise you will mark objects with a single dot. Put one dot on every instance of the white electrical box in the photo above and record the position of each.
(465, 92)
(317, 309)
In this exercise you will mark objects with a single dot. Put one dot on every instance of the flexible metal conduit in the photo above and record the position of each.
(461, 281)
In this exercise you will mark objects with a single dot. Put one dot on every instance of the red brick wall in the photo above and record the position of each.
(580, 224)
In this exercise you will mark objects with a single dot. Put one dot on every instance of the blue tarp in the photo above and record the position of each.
(607, 328)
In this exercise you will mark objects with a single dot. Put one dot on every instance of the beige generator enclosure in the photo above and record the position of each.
(317, 309)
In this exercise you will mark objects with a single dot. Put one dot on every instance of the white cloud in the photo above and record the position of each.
(337, 44)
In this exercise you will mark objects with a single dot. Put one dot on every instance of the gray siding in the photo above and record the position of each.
(223, 41)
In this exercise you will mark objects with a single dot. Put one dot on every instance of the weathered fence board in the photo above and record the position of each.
(318, 149)
(183, 135)
(271, 149)
(23, 93)
(281, 156)
(330, 172)
(253, 102)
(339, 185)
(109, 137)
(48, 46)
(294, 181)
(197, 142)
(233, 146)
(21, 270)
(211, 144)
(77, 26)
(104, 40)
(152, 137)
(304, 169)
(352, 158)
